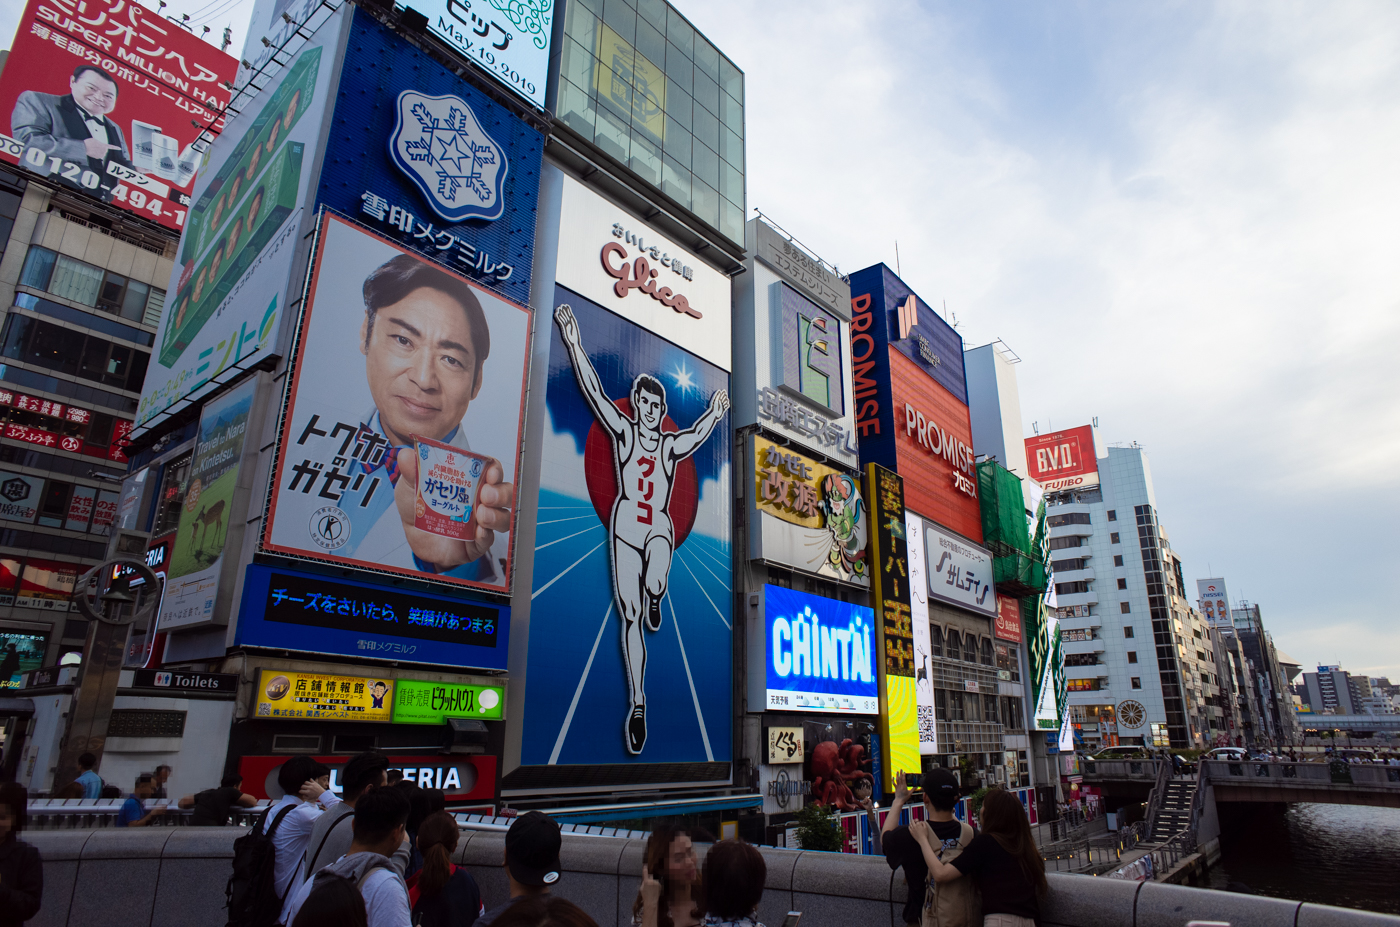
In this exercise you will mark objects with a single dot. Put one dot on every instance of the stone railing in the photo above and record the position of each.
(175, 876)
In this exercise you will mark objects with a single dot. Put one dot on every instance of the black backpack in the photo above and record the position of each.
(251, 895)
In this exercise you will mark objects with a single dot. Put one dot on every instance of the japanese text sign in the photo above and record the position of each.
(419, 702)
(784, 745)
(818, 654)
(1063, 460)
(1008, 620)
(823, 514)
(889, 550)
(107, 98)
(505, 38)
(960, 572)
(316, 696)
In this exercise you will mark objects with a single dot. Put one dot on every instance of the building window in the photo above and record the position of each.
(988, 653)
(1132, 656)
(955, 706)
(1117, 559)
(954, 646)
(54, 347)
(989, 709)
(1065, 566)
(1074, 588)
(940, 705)
(1127, 632)
(88, 285)
(1136, 682)
(935, 636)
(1124, 607)
(972, 703)
(1113, 538)
(1069, 518)
(1122, 583)
(1073, 540)
(1112, 515)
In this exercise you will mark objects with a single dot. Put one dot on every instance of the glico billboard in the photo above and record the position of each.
(108, 99)
(1063, 460)
(911, 399)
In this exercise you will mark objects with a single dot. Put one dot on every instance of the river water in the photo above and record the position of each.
(1344, 855)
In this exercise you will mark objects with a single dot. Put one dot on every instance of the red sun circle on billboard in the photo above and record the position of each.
(600, 472)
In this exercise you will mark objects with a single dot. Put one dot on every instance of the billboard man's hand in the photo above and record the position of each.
(495, 499)
(96, 149)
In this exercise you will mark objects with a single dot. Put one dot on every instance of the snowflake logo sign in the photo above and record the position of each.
(442, 147)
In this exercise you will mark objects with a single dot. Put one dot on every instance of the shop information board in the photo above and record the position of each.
(323, 697)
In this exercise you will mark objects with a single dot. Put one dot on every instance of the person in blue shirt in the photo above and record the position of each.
(89, 780)
(134, 813)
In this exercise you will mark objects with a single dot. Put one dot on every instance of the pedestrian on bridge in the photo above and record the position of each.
(734, 875)
(21, 868)
(531, 860)
(671, 892)
(133, 812)
(211, 806)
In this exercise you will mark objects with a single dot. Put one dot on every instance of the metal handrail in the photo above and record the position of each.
(1157, 796)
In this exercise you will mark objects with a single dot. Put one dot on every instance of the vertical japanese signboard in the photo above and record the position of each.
(107, 98)
(923, 645)
(890, 551)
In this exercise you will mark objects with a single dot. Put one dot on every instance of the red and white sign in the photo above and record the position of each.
(1063, 460)
(461, 777)
(1008, 620)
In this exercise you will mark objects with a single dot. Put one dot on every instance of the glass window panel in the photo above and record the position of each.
(621, 18)
(678, 108)
(732, 148)
(704, 202)
(654, 12)
(935, 635)
(940, 705)
(731, 183)
(578, 6)
(678, 145)
(577, 63)
(75, 280)
(646, 159)
(651, 43)
(56, 348)
(95, 357)
(678, 68)
(974, 706)
(731, 114)
(675, 178)
(706, 92)
(705, 128)
(731, 221)
(649, 99)
(18, 328)
(110, 294)
(53, 503)
(38, 268)
(134, 303)
(9, 204)
(731, 79)
(611, 134)
(136, 371)
(576, 109)
(704, 163)
(679, 33)
(582, 26)
(154, 306)
(954, 645)
(707, 58)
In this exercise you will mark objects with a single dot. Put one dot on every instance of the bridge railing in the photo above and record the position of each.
(1123, 769)
(1259, 772)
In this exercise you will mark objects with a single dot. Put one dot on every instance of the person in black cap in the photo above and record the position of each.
(532, 860)
(940, 796)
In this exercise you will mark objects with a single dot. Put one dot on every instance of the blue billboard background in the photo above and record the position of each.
(943, 342)
(362, 178)
(296, 610)
(794, 665)
(577, 696)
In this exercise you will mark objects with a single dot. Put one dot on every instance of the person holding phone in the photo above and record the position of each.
(956, 907)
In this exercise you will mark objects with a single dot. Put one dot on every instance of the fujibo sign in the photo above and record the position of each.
(817, 654)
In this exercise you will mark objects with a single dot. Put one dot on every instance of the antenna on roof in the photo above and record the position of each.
(897, 271)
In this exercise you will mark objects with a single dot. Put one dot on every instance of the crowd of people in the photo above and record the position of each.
(380, 855)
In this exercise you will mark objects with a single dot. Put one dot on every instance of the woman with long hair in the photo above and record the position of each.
(442, 894)
(670, 893)
(333, 903)
(1002, 860)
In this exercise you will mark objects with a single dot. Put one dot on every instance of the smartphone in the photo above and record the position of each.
(792, 918)
(914, 780)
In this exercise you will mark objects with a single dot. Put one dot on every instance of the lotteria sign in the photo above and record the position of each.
(817, 654)
(461, 777)
(1063, 460)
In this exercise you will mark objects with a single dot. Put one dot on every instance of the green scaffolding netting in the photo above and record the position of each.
(1016, 568)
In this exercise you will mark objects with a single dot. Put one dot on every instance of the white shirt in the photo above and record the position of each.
(293, 834)
(96, 127)
(386, 899)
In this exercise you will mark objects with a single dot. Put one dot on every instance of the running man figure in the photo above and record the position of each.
(643, 538)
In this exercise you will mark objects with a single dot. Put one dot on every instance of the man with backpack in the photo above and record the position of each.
(949, 904)
(380, 819)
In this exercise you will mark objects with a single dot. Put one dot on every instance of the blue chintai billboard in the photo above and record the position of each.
(630, 646)
(421, 156)
(816, 654)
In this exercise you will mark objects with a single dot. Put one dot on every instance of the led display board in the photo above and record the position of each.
(1063, 460)
(461, 777)
(816, 654)
(899, 715)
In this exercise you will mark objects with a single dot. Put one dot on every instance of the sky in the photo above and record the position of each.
(1182, 217)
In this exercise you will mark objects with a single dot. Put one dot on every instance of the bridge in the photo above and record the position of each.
(1337, 782)
(1319, 722)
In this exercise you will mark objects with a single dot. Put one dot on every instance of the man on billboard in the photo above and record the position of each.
(425, 340)
(641, 533)
(74, 128)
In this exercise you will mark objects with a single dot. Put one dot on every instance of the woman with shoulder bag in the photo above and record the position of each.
(442, 894)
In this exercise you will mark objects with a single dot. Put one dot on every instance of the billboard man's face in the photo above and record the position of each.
(651, 409)
(420, 365)
(94, 93)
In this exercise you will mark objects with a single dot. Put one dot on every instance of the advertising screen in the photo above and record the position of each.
(20, 652)
(890, 549)
(923, 643)
(430, 162)
(960, 572)
(505, 38)
(47, 584)
(418, 702)
(102, 98)
(809, 515)
(630, 624)
(317, 696)
(229, 283)
(197, 554)
(1215, 600)
(400, 362)
(818, 654)
(1063, 460)
(292, 610)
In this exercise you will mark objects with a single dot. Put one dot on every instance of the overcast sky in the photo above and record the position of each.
(1183, 217)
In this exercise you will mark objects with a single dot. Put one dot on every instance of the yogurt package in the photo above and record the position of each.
(448, 481)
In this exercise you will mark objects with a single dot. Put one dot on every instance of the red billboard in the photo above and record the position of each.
(1063, 460)
(1008, 620)
(103, 97)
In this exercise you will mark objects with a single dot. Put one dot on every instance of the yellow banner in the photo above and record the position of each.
(889, 549)
(321, 697)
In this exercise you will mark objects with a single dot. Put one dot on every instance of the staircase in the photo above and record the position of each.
(1174, 815)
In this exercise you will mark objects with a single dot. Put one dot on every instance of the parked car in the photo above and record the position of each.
(1120, 753)
(1230, 754)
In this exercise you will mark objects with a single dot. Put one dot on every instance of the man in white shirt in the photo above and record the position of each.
(380, 818)
(304, 790)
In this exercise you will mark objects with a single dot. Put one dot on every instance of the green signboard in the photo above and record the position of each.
(417, 702)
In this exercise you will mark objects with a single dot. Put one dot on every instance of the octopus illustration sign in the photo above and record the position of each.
(633, 566)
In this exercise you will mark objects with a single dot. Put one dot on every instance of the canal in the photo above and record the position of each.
(1344, 855)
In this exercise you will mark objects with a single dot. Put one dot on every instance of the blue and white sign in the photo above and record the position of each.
(817, 654)
(422, 157)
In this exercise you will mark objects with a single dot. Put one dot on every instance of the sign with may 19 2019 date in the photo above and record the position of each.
(505, 38)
